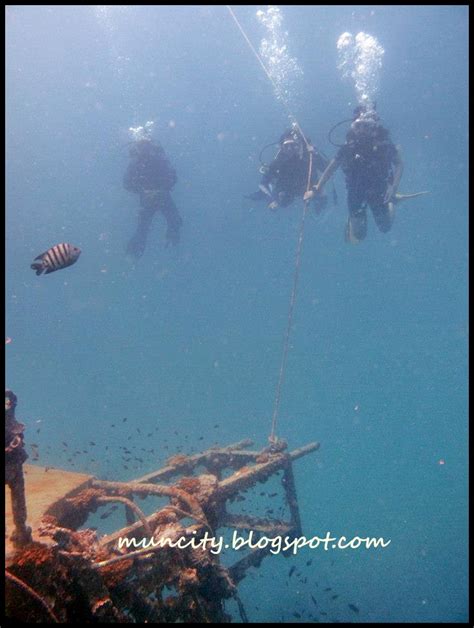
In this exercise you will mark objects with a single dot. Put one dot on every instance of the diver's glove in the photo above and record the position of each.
(308, 195)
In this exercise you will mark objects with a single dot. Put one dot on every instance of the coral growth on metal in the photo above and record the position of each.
(76, 575)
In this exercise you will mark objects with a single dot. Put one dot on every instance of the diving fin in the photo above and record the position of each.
(398, 198)
(349, 235)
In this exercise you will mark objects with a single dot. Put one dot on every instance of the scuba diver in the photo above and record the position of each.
(373, 167)
(286, 177)
(151, 175)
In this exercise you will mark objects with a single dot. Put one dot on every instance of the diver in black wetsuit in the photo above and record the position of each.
(151, 175)
(287, 176)
(373, 167)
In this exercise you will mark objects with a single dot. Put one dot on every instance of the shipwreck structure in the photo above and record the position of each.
(69, 573)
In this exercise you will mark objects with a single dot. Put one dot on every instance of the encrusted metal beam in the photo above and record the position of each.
(188, 463)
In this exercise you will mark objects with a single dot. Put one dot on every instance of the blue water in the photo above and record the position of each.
(191, 337)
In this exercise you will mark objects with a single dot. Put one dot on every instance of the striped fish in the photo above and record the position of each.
(55, 258)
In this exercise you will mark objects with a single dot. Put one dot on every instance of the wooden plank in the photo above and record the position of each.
(42, 489)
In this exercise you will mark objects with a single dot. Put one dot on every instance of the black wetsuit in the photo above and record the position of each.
(151, 175)
(288, 174)
(367, 160)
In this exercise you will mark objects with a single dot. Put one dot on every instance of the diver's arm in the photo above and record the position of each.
(130, 179)
(327, 174)
(397, 175)
(320, 162)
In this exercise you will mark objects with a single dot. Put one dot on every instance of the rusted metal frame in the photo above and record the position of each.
(153, 489)
(225, 489)
(137, 526)
(303, 451)
(190, 532)
(242, 522)
(131, 506)
(260, 471)
(253, 559)
(34, 594)
(129, 556)
(233, 484)
(244, 479)
(288, 482)
(191, 462)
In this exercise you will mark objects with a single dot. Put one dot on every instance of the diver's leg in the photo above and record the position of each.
(173, 219)
(356, 228)
(384, 216)
(137, 243)
(320, 202)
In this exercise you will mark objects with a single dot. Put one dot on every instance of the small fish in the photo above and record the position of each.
(353, 607)
(334, 597)
(125, 419)
(314, 601)
(328, 589)
(295, 614)
(291, 572)
(309, 562)
(57, 257)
